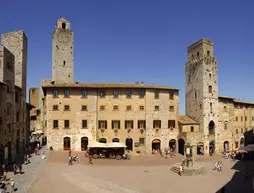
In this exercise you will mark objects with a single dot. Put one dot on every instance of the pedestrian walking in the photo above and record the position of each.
(12, 185)
(20, 168)
(70, 160)
(15, 168)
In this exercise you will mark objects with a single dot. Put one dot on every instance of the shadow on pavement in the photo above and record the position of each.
(239, 182)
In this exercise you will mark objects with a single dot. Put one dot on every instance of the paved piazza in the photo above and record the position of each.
(141, 174)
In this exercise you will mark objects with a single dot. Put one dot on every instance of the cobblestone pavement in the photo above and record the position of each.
(141, 174)
(31, 171)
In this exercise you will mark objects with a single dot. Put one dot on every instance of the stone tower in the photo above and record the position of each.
(201, 87)
(62, 52)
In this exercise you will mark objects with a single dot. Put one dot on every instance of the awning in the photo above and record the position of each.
(200, 144)
(37, 132)
(156, 141)
(98, 145)
(116, 145)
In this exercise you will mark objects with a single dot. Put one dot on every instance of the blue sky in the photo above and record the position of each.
(146, 40)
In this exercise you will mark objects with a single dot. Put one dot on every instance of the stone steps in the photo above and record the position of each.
(188, 171)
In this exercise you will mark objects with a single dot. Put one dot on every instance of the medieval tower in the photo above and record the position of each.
(201, 87)
(62, 52)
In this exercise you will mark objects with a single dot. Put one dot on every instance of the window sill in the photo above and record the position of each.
(67, 110)
(55, 96)
(55, 109)
(141, 97)
(84, 128)
(128, 98)
(115, 97)
(67, 97)
(83, 109)
(55, 128)
(84, 97)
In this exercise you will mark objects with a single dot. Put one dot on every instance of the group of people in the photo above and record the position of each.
(3, 185)
(218, 166)
(72, 158)
(16, 167)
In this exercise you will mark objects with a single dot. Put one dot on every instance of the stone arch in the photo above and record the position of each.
(156, 144)
(66, 143)
(181, 144)
(103, 140)
(172, 144)
(115, 140)
(84, 143)
(63, 25)
(211, 127)
(226, 146)
(242, 141)
(129, 144)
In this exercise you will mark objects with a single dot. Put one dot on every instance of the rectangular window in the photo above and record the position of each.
(141, 124)
(66, 107)
(115, 108)
(156, 124)
(55, 93)
(115, 93)
(103, 124)
(84, 124)
(141, 141)
(171, 108)
(84, 108)
(102, 93)
(236, 131)
(66, 124)
(171, 96)
(102, 107)
(210, 89)
(241, 118)
(55, 107)
(17, 117)
(252, 118)
(55, 124)
(236, 118)
(225, 125)
(128, 93)
(156, 108)
(171, 124)
(241, 130)
(192, 129)
(84, 93)
(115, 124)
(141, 94)
(156, 94)
(141, 108)
(9, 127)
(245, 118)
(225, 108)
(128, 108)
(128, 124)
(66, 92)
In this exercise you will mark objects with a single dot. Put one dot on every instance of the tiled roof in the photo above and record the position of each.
(236, 101)
(186, 120)
(47, 83)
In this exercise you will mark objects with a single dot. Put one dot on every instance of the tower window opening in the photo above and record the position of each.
(197, 53)
(210, 75)
(64, 62)
(63, 25)
(211, 107)
(210, 89)
(208, 53)
(192, 56)
(195, 95)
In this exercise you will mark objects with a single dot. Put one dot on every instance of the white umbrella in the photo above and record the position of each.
(249, 147)
(98, 145)
(116, 145)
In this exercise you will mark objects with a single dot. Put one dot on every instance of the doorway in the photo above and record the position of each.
(181, 144)
(226, 146)
(172, 144)
(103, 140)
(156, 145)
(67, 143)
(115, 140)
(84, 143)
(129, 144)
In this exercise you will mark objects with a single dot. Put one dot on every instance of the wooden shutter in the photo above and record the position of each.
(144, 124)
(125, 124)
(112, 124)
(159, 124)
(138, 124)
(132, 124)
(118, 124)
(105, 124)
(99, 124)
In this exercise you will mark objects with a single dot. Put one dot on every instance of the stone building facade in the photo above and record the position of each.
(13, 54)
(144, 117)
(222, 120)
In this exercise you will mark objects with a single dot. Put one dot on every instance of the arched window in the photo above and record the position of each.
(63, 25)
(225, 125)
(210, 89)
(208, 53)
(195, 95)
(64, 63)
(211, 107)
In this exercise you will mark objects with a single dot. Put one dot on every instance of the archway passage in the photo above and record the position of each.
(211, 127)
(172, 144)
(242, 142)
(129, 144)
(181, 143)
(156, 144)
(67, 143)
(115, 140)
(211, 147)
(103, 140)
(226, 146)
(200, 148)
(84, 143)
